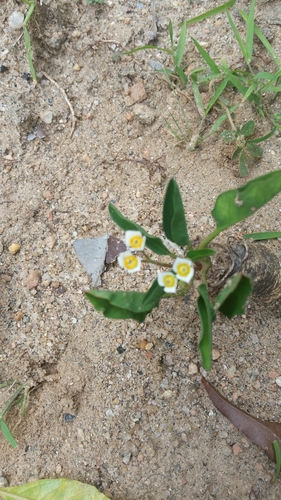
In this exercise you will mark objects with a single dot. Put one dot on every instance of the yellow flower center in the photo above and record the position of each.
(130, 262)
(136, 242)
(169, 281)
(183, 270)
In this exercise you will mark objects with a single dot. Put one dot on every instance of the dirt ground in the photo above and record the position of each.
(134, 422)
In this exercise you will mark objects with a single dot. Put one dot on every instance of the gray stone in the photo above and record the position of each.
(91, 254)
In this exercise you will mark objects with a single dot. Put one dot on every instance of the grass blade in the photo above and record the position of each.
(207, 58)
(216, 95)
(277, 451)
(263, 138)
(197, 98)
(212, 12)
(29, 54)
(263, 40)
(237, 36)
(268, 235)
(250, 32)
(180, 48)
(7, 433)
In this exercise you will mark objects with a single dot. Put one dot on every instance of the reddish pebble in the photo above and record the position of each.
(47, 195)
(236, 448)
(32, 280)
(149, 354)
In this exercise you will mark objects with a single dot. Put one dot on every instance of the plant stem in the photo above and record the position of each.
(11, 400)
(209, 238)
(148, 260)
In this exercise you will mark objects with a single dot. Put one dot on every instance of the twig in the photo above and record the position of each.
(74, 119)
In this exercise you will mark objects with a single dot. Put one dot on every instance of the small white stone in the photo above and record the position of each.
(16, 20)
(192, 369)
(3, 482)
(46, 116)
(278, 381)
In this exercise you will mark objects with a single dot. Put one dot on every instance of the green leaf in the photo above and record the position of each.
(171, 33)
(181, 46)
(231, 300)
(206, 314)
(7, 433)
(197, 95)
(181, 74)
(263, 138)
(267, 235)
(174, 223)
(124, 305)
(277, 459)
(237, 36)
(154, 244)
(263, 40)
(243, 164)
(195, 255)
(212, 12)
(52, 489)
(250, 32)
(248, 128)
(153, 295)
(216, 95)
(229, 135)
(254, 150)
(207, 58)
(238, 204)
(236, 153)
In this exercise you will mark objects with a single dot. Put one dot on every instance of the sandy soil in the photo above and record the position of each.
(142, 426)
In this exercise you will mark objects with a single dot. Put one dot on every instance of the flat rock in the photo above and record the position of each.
(91, 253)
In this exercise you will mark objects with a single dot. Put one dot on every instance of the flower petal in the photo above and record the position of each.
(135, 240)
(130, 262)
(168, 280)
(184, 269)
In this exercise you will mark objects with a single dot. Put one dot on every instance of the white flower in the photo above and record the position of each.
(168, 280)
(135, 240)
(184, 269)
(130, 262)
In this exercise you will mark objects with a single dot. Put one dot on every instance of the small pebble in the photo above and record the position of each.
(215, 354)
(168, 394)
(68, 417)
(127, 458)
(32, 280)
(16, 20)
(1, 247)
(278, 381)
(192, 369)
(46, 116)
(14, 248)
(18, 316)
(236, 448)
(76, 67)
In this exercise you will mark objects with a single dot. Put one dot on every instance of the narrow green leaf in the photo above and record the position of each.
(206, 314)
(232, 299)
(174, 223)
(254, 150)
(237, 36)
(7, 433)
(277, 451)
(195, 255)
(212, 12)
(238, 204)
(171, 33)
(219, 121)
(248, 128)
(229, 135)
(207, 58)
(53, 489)
(181, 46)
(263, 138)
(154, 244)
(243, 164)
(181, 74)
(197, 96)
(250, 32)
(267, 235)
(122, 305)
(263, 40)
(216, 95)
(236, 153)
